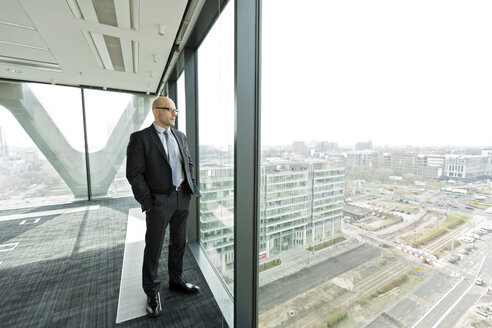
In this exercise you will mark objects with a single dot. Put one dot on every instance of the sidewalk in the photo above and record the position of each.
(296, 259)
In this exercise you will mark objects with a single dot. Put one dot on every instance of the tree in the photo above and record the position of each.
(383, 173)
(409, 177)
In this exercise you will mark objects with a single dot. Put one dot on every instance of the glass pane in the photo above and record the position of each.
(40, 164)
(376, 163)
(181, 103)
(111, 118)
(216, 158)
(61, 109)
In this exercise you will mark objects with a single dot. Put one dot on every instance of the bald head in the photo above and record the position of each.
(163, 102)
(162, 115)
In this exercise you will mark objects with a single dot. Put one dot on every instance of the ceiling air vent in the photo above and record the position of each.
(110, 52)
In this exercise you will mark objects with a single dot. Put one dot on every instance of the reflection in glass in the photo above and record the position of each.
(111, 118)
(40, 164)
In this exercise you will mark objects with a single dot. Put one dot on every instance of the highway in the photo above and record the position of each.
(444, 298)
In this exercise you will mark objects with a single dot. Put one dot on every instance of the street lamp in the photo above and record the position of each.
(414, 230)
(309, 251)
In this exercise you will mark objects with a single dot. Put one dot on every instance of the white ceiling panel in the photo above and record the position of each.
(26, 53)
(61, 32)
(12, 11)
(21, 36)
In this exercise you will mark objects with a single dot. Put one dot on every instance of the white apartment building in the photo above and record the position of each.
(467, 166)
(300, 202)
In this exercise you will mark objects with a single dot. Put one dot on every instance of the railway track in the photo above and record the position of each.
(367, 286)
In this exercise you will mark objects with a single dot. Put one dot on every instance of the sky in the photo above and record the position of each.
(64, 106)
(394, 72)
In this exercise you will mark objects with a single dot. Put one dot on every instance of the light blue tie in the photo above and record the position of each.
(173, 160)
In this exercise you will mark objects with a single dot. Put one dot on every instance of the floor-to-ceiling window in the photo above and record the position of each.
(41, 145)
(375, 164)
(181, 102)
(216, 137)
(111, 118)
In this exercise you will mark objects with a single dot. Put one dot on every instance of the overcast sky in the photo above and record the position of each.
(395, 72)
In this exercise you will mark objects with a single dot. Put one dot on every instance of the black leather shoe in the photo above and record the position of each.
(183, 287)
(154, 307)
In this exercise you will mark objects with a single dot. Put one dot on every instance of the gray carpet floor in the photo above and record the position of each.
(66, 270)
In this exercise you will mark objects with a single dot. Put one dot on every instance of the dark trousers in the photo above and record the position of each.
(172, 209)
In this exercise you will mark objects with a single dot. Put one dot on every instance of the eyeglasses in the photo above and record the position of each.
(171, 110)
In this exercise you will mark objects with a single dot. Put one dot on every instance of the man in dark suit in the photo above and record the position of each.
(160, 171)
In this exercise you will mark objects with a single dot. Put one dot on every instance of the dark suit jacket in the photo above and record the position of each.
(147, 167)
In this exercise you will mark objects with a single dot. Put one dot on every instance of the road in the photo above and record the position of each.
(443, 299)
(284, 289)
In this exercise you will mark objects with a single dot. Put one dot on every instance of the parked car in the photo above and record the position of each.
(463, 251)
(454, 258)
(478, 282)
(467, 239)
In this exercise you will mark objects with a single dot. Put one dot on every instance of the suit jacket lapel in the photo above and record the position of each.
(157, 142)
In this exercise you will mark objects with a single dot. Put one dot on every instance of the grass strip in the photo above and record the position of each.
(325, 244)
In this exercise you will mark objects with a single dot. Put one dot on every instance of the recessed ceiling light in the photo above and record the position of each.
(13, 70)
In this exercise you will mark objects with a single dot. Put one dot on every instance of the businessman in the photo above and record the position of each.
(160, 171)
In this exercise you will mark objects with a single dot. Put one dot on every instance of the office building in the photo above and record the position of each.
(300, 202)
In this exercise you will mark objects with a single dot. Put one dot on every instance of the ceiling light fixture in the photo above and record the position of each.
(17, 25)
(30, 63)
(22, 45)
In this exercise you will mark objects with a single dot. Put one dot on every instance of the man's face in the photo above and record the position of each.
(164, 117)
